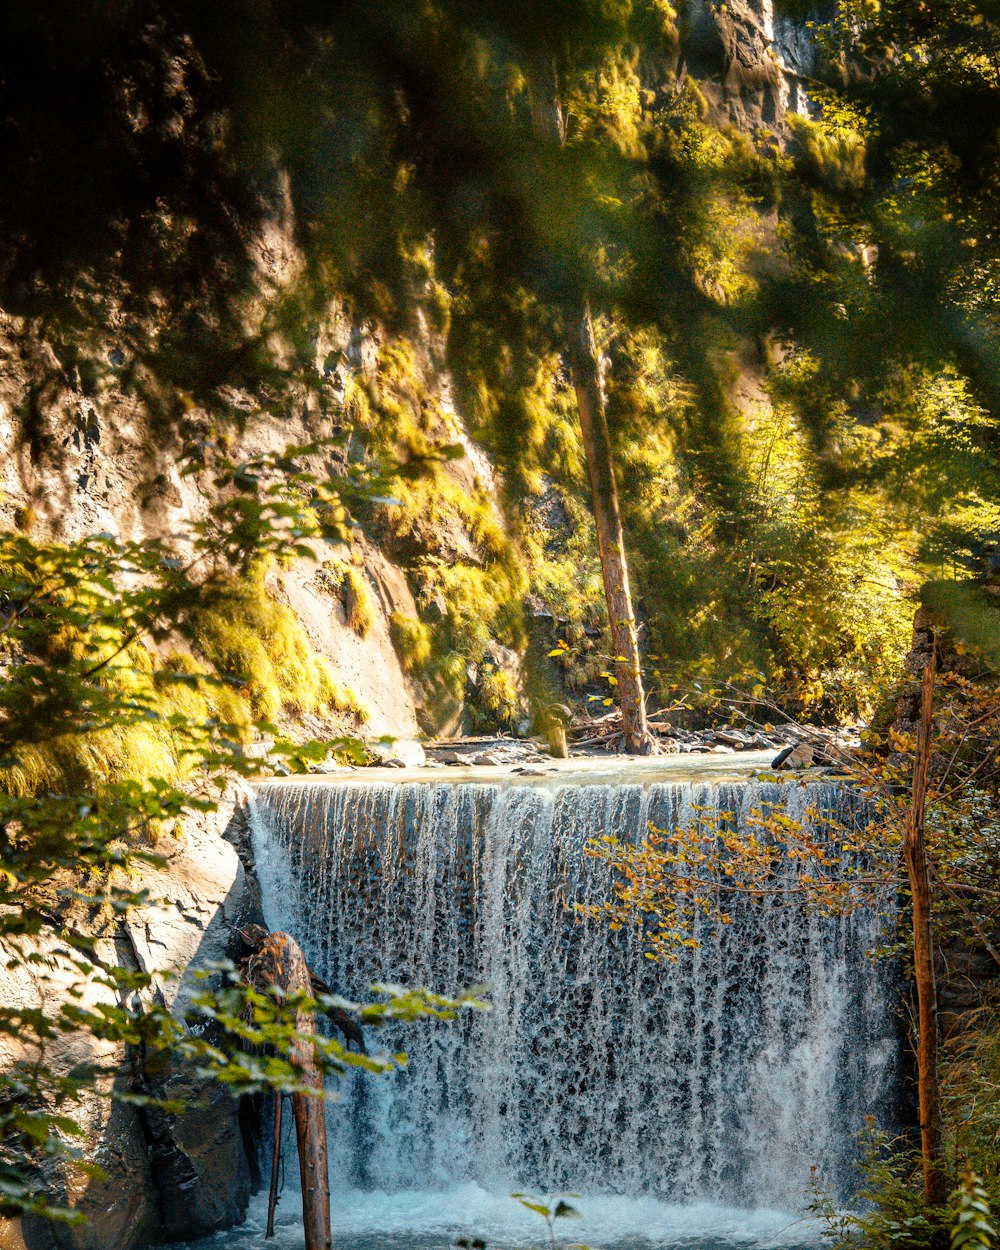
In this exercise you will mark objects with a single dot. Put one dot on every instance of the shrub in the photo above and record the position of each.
(494, 705)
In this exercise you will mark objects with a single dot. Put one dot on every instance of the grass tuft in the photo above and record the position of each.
(258, 642)
(412, 640)
(358, 602)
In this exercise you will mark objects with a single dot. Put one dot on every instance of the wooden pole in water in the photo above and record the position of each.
(280, 962)
(272, 1196)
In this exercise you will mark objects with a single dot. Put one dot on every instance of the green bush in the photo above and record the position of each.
(494, 705)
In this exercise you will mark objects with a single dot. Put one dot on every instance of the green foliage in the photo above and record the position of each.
(440, 520)
(358, 602)
(830, 151)
(971, 1102)
(888, 1211)
(257, 642)
(791, 583)
(348, 584)
(971, 1219)
(969, 610)
(412, 640)
(494, 705)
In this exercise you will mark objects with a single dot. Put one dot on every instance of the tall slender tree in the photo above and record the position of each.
(588, 383)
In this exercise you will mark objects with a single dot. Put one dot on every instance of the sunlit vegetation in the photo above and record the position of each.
(257, 642)
(494, 704)
(790, 332)
(358, 602)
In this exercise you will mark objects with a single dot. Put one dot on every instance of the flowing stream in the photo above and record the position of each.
(687, 1102)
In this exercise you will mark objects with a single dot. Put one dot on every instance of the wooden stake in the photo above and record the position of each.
(272, 1197)
(558, 747)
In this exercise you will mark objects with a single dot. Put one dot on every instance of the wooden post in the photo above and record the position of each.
(915, 854)
(279, 961)
(272, 1195)
(558, 746)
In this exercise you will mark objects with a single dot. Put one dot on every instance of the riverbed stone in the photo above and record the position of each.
(801, 755)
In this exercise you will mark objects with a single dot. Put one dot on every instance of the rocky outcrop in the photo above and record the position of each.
(164, 1175)
(749, 63)
(85, 453)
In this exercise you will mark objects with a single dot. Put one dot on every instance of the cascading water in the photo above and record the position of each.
(720, 1078)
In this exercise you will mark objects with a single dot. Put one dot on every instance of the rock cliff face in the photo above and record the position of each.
(165, 1176)
(91, 438)
(85, 451)
(749, 63)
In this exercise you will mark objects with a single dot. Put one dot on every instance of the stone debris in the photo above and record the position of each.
(796, 746)
(819, 746)
(499, 752)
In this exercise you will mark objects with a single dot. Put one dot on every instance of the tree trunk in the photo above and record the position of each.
(915, 853)
(626, 664)
(280, 962)
(548, 125)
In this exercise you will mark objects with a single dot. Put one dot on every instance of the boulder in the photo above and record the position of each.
(799, 755)
(166, 1176)
(398, 753)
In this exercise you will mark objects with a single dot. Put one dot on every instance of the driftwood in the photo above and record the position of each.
(279, 962)
(347, 1024)
(255, 935)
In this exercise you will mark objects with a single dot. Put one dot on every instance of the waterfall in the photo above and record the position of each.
(721, 1078)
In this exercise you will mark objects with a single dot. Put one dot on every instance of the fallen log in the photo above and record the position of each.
(279, 962)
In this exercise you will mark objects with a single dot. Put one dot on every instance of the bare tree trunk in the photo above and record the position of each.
(626, 665)
(548, 124)
(915, 853)
(280, 962)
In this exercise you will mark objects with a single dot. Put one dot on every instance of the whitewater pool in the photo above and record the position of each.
(436, 1221)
